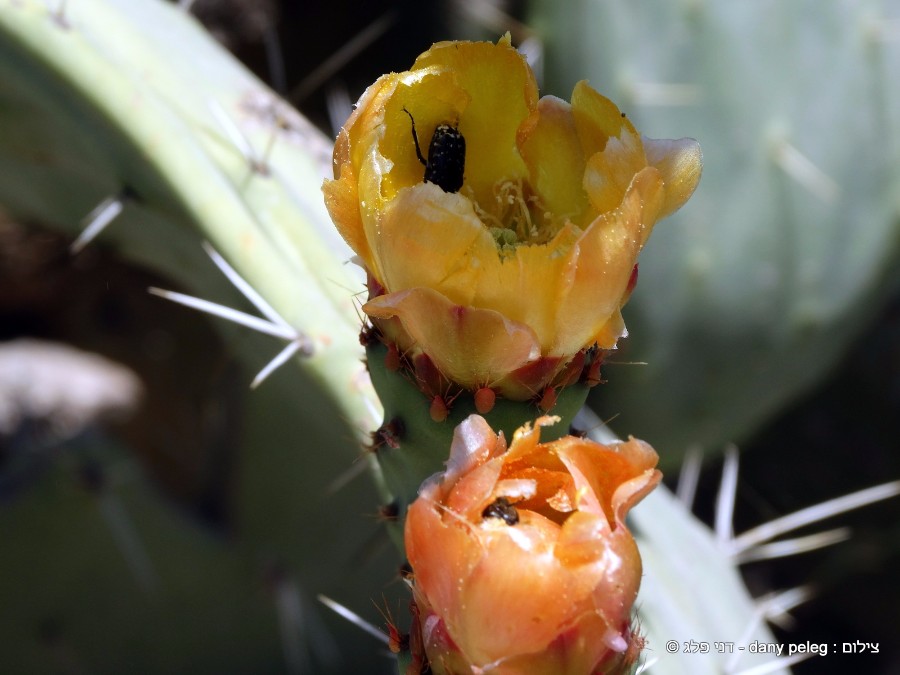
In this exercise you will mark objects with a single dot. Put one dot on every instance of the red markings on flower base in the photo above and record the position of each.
(368, 335)
(439, 410)
(572, 372)
(485, 398)
(592, 378)
(548, 399)
(429, 379)
(392, 360)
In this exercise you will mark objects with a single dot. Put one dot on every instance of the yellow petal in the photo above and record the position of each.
(606, 255)
(550, 146)
(529, 285)
(364, 123)
(503, 93)
(470, 346)
(342, 202)
(427, 237)
(679, 163)
(597, 119)
(609, 333)
(609, 172)
(432, 96)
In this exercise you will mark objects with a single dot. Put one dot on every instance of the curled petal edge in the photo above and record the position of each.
(470, 346)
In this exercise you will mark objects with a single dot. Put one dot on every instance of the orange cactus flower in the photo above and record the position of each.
(530, 260)
(521, 559)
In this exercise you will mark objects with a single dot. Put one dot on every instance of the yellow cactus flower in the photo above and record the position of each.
(502, 281)
(521, 559)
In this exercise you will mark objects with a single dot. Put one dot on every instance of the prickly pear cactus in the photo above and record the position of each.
(118, 97)
(748, 298)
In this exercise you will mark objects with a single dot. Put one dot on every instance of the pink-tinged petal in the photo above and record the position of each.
(528, 381)
(680, 163)
(469, 346)
(474, 443)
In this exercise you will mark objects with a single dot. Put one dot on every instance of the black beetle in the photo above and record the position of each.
(502, 509)
(446, 156)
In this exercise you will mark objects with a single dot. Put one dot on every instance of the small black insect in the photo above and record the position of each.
(446, 156)
(501, 508)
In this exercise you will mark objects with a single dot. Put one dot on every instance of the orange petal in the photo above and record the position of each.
(613, 477)
(506, 595)
(474, 491)
(583, 540)
(470, 346)
(441, 551)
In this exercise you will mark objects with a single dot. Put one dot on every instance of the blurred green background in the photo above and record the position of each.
(767, 314)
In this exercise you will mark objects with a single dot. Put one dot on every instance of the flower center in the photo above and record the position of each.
(516, 215)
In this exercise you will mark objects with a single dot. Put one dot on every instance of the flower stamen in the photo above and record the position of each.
(516, 217)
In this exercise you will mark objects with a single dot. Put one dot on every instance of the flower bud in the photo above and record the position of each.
(521, 559)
